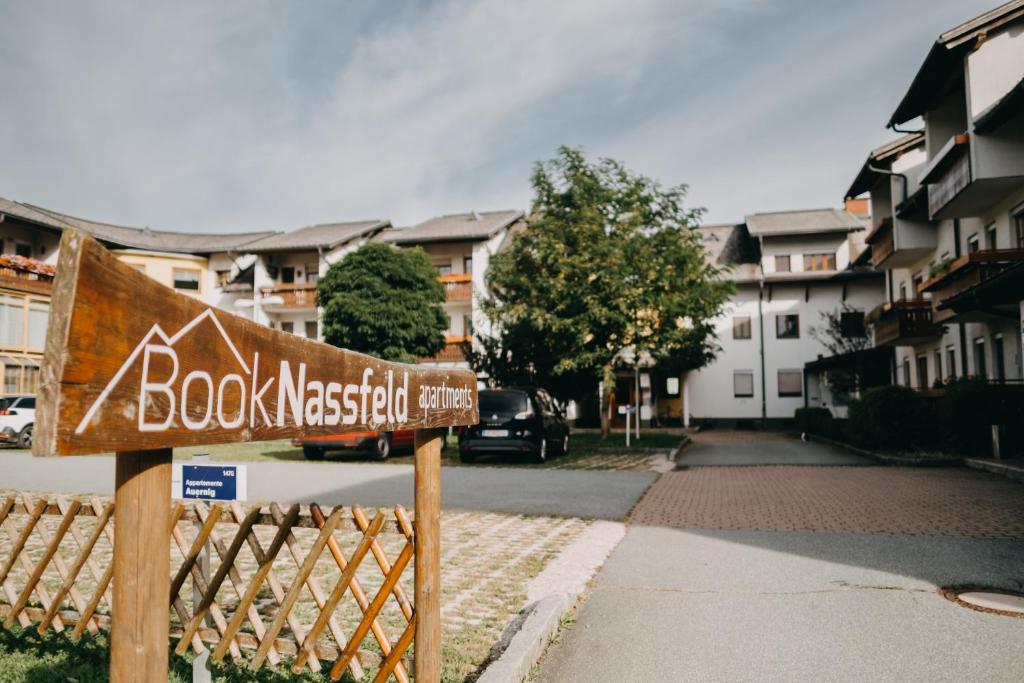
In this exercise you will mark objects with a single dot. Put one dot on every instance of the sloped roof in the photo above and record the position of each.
(882, 156)
(322, 236)
(454, 228)
(136, 238)
(945, 56)
(803, 222)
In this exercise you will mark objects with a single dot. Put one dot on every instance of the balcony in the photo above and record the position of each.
(969, 175)
(457, 286)
(294, 296)
(905, 323)
(26, 275)
(949, 287)
(881, 240)
(452, 351)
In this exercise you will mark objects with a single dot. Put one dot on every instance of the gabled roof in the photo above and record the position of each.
(324, 236)
(459, 227)
(927, 88)
(135, 238)
(803, 222)
(882, 157)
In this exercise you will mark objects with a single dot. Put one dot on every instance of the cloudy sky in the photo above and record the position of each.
(272, 115)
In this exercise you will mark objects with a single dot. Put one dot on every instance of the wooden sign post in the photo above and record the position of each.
(136, 368)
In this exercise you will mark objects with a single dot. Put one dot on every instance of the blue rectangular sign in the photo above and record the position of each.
(209, 482)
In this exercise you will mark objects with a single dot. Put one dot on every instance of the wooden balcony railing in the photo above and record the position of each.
(881, 241)
(295, 295)
(948, 173)
(452, 351)
(457, 286)
(905, 323)
(968, 271)
(25, 275)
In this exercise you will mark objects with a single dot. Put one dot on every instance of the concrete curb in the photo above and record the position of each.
(1008, 471)
(559, 587)
(890, 459)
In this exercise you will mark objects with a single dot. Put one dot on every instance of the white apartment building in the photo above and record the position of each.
(267, 277)
(947, 209)
(789, 268)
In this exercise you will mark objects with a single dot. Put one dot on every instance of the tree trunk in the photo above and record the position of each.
(608, 379)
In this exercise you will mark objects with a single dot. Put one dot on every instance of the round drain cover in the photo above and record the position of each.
(988, 600)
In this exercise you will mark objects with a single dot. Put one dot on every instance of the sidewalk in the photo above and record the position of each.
(803, 573)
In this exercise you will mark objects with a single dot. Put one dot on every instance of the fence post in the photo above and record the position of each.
(427, 658)
(142, 558)
(200, 666)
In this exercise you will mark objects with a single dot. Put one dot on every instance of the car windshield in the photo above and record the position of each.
(504, 404)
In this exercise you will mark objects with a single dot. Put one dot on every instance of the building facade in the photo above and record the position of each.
(947, 210)
(791, 271)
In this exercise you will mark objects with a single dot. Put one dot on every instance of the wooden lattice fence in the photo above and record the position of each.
(284, 583)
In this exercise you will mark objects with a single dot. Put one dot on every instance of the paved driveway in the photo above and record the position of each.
(562, 493)
(719, 447)
(803, 574)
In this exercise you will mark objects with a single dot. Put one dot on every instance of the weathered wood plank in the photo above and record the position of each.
(133, 365)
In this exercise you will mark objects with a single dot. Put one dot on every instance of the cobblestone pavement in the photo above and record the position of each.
(885, 500)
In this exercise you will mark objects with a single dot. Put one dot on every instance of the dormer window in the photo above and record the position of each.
(782, 263)
(818, 262)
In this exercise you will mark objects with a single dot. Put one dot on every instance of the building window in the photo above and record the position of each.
(819, 262)
(444, 268)
(973, 244)
(12, 379)
(782, 263)
(903, 291)
(998, 359)
(467, 325)
(38, 316)
(21, 249)
(851, 324)
(922, 371)
(12, 321)
(980, 370)
(787, 326)
(186, 279)
(938, 365)
(287, 275)
(743, 384)
(741, 327)
(223, 278)
(288, 326)
(791, 383)
(915, 284)
(311, 329)
(991, 237)
(906, 372)
(312, 273)
(950, 362)
(467, 265)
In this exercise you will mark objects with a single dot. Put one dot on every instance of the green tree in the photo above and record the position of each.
(384, 301)
(609, 262)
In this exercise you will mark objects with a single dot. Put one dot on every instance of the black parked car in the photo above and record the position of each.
(520, 420)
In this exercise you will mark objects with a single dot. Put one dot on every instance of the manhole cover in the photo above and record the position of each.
(991, 600)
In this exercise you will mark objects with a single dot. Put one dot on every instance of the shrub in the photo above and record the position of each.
(892, 418)
(821, 422)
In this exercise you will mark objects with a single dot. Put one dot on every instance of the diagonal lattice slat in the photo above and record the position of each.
(283, 585)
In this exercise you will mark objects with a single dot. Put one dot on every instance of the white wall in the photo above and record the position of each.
(995, 68)
(709, 391)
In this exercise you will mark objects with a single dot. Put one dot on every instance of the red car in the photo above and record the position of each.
(378, 444)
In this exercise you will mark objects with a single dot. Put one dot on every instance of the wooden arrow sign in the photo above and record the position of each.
(133, 365)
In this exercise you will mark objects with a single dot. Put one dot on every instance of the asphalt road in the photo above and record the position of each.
(563, 493)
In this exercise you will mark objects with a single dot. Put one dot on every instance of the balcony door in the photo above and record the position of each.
(922, 371)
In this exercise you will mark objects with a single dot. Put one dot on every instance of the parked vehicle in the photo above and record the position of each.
(518, 420)
(379, 445)
(17, 417)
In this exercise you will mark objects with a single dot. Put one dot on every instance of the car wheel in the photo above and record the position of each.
(382, 447)
(542, 452)
(313, 453)
(25, 437)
